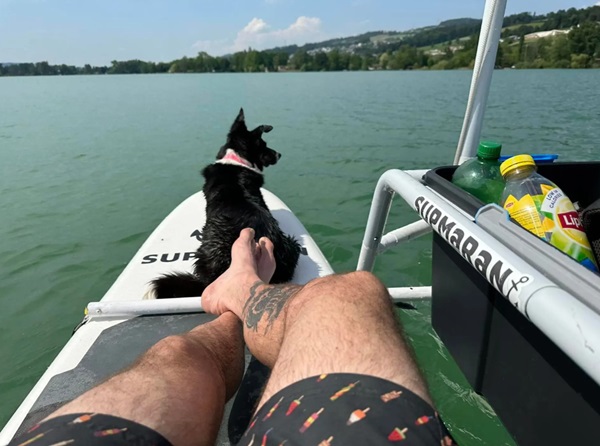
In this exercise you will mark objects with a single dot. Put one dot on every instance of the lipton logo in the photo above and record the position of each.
(570, 220)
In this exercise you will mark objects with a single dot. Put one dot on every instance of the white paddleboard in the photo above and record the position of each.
(171, 247)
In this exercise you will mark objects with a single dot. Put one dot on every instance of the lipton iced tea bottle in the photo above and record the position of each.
(539, 206)
(480, 176)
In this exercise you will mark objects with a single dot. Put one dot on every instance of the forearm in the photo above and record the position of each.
(264, 317)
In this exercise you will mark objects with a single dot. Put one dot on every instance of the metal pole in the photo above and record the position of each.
(408, 293)
(144, 307)
(182, 305)
(380, 208)
(403, 234)
(489, 37)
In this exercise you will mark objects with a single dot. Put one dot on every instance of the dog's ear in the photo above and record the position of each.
(240, 116)
(258, 131)
(239, 122)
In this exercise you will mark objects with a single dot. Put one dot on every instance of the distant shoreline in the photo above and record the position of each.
(565, 39)
(293, 72)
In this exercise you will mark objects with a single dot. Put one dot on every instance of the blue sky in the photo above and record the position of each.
(98, 31)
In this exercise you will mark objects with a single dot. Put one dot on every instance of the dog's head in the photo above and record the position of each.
(249, 143)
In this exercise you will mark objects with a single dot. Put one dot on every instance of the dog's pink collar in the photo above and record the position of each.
(231, 157)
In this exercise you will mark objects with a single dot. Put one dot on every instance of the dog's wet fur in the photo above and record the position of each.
(233, 202)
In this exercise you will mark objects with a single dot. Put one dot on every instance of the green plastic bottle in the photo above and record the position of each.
(481, 176)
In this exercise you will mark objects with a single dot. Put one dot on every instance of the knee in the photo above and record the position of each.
(355, 279)
(361, 285)
(366, 280)
(172, 349)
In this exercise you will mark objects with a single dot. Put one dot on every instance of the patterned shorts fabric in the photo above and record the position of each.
(346, 409)
(325, 410)
(89, 429)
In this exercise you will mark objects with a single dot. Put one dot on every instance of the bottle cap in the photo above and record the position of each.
(516, 162)
(489, 150)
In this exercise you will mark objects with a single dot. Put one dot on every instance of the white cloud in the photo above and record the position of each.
(258, 34)
(254, 27)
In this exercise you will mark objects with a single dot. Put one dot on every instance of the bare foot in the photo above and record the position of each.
(251, 262)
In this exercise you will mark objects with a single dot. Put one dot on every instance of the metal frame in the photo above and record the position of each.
(569, 323)
(375, 242)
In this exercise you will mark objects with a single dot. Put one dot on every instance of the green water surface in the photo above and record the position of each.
(90, 165)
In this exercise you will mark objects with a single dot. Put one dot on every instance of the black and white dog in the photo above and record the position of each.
(233, 202)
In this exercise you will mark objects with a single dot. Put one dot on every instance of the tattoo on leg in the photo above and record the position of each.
(270, 300)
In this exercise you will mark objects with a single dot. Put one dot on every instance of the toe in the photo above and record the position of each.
(267, 245)
(247, 235)
(244, 246)
(266, 261)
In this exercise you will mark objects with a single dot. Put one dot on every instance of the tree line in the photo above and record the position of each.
(580, 48)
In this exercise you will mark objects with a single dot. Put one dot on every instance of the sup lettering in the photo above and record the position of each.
(418, 202)
(456, 238)
(496, 277)
(444, 229)
(424, 207)
(432, 207)
(166, 258)
(482, 262)
(434, 217)
(189, 255)
(469, 248)
(151, 258)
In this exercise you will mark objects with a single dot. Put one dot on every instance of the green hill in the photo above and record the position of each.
(448, 45)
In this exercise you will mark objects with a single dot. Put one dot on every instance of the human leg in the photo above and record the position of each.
(342, 324)
(337, 356)
(178, 387)
(334, 324)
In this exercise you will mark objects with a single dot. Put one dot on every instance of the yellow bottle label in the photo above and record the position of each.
(552, 217)
(558, 208)
(525, 212)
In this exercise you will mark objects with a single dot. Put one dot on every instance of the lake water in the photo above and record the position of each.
(90, 165)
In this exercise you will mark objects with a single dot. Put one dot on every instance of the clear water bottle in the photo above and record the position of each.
(539, 206)
(481, 176)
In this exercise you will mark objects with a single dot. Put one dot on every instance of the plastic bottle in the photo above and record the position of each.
(481, 176)
(539, 206)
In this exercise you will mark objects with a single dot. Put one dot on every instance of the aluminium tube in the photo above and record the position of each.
(380, 208)
(374, 242)
(145, 307)
(409, 232)
(489, 37)
(181, 305)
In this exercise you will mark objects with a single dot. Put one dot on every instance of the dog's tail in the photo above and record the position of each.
(177, 285)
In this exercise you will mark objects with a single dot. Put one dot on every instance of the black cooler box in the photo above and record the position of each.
(539, 393)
